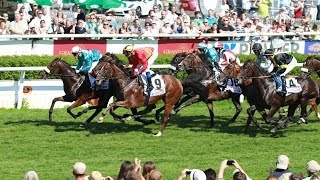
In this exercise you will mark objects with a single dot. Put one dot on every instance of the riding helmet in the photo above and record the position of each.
(202, 45)
(75, 50)
(218, 44)
(257, 47)
(128, 48)
(268, 52)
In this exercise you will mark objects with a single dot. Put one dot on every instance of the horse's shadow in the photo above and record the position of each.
(92, 128)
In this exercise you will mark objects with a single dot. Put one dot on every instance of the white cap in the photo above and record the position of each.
(76, 49)
(79, 168)
(283, 162)
(197, 174)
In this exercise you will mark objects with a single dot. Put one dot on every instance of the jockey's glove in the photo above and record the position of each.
(77, 71)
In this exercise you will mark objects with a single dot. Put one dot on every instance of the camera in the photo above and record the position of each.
(230, 162)
(188, 172)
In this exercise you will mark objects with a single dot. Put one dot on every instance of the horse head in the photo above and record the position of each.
(191, 61)
(247, 70)
(312, 64)
(57, 67)
(176, 60)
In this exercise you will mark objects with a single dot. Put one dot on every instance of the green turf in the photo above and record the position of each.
(29, 142)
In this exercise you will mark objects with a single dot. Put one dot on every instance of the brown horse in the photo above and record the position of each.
(208, 89)
(129, 92)
(273, 101)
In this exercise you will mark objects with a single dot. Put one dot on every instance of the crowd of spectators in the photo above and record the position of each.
(252, 17)
(149, 171)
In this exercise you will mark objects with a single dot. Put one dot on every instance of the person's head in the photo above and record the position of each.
(166, 23)
(79, 170)
(2, 24)
(269, 55)
(197, 174)
(148, 167)
(272, 177)
(155, 175)
(76, 50)
(39, 14)
(315, 27)
(202, 46)
(31, 175)
(314, 177)
(165, 6)
(210, 12)
(136, 22)
(225, 20)
(147, 25)
(124, 25)
(239, 176)
(218, 46)
(296, 176)
(155, 8)
(96, 175)
(313, 167)
(17, 17)
(283, 160)
(257, 49)
(5, 16)
(60, 14)
(42, 23)
(80, 23)
(173, 9)
(211, 174)
(197, 15)
(125, 167)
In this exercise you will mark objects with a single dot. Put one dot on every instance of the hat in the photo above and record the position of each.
(2, 19)
(96, 175)
(166, 4)
(260, 25)
(31, 175)
(79, 168)
(108, 18)
(313, 166)
(166, 21)
(283, 162)
(197, 174)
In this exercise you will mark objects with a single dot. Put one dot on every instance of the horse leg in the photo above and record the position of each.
(303, 113)
(189, 101)
(158, 111)
(62, 98)
(250, 111)
(167, 111)
(314, 103)
(137, 115)
(271, 120)
(210, 108)
(237, 104)
(77, 103)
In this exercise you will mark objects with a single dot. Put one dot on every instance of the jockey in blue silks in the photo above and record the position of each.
(87, 60)
(209, 53)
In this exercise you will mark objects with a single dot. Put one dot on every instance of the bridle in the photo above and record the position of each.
(53, 65)
(256, 77)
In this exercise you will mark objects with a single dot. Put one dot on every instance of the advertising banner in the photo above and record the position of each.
(63, 47)
(26, 47)
(312, 47)
(174, 46)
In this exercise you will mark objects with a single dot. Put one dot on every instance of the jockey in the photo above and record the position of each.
(224, 56)
(262, 61)
(278, 46)
(87, 59)
(209, 53)
(281, 62)
(141, 61)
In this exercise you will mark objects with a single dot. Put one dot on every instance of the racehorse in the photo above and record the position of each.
(129, 92)
(203, 84)
(273, 101)
(77, 91)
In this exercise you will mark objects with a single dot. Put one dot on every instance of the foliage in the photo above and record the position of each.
(25, 61)
(30, 142)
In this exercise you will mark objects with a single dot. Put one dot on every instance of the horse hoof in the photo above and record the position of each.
(302, 120)
(318, 115)
(100, 120)
(158, 134)
(127, 118)
(50, 119)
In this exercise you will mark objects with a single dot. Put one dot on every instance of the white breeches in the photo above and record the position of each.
(93, 65)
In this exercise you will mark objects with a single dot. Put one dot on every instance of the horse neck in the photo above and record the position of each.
(263, 84)
(121, 80)
(69, 78)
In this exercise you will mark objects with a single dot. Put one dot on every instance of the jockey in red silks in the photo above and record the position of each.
(225, 56)
(141, 60)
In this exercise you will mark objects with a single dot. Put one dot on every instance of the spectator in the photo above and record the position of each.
(272, 177)
(198, 18)
(17, 26)
(224, 7)
(179, 26)
(136, 27)
(31, 175)
(154, 28)
(313, 168)
(214, 30)
(306, 28)
(68, 28)
(211, 19)
(135, 174)
(282, 166)
(205, 26)
(183, 16)
(195, 174)
(210, 174)
(106, 28)
(32, 30)
(166, 29)
(111, 17)
(192, 29)
(148, 30)
(225, 28)
(43, 28)
(79, 28)
(125, 168)
(79, 171)
(91, 25)
(61, 17)
(239, 173)
(124, 29)
(175, 14)
(296, 176)
(267, 24)
(263, 7)
(147, 168)
(155, 175)
(24, 20)
(6, 17)
(24, 14)
(56, 27)
(244, 19)
(96, 175)
(239, 28)
(298, 8)
(315, 29)
(4, 30)
(36, 20)
(156, 11)
(168, 14)
(163, 17)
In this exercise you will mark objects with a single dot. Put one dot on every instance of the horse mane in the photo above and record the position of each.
(63, 61)
(257, 66)
(117, 61)
(312, 57)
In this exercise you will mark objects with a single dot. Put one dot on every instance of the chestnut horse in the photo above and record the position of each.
(208, 89)
(129, 92)
(273, 101)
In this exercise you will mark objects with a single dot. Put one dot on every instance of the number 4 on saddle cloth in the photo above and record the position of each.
(292, 86)
(157, 83)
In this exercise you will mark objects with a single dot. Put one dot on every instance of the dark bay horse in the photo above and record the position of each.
(129, 92)
(201, 82)
(273, 101)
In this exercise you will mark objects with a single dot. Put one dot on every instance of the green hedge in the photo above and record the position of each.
(26, 61)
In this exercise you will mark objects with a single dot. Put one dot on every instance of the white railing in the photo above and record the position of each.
(23, 70)
(202, 35)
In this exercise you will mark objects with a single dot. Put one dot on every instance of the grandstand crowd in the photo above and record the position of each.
(149, 171)
(252, 16)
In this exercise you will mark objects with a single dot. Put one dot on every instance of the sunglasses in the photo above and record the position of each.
(39, 13)
(105, 24)
(205, 22)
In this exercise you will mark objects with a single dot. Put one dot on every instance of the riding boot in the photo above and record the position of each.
(149, 88)
(283, 81)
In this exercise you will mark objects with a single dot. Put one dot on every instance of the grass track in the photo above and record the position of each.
(29, 142)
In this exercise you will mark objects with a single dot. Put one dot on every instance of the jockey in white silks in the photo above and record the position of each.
(262, 61)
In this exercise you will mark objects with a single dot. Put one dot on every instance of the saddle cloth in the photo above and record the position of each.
(232, 86)
(159, 87)
(105, 84)
(292, 86)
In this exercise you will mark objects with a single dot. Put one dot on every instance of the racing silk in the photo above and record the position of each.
(86, 58)
(282, 59)
(211, 54)
(139, 59)
(226, 57)
(264, 63)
